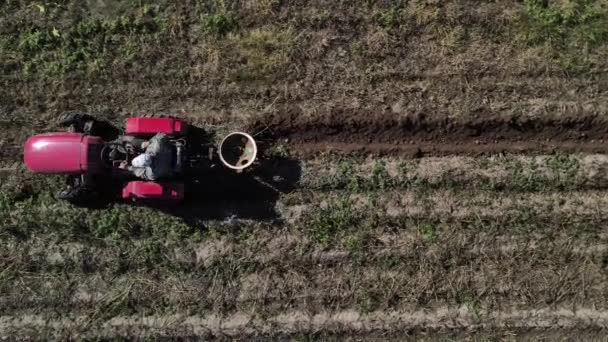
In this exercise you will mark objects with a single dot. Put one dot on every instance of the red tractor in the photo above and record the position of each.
(95, 157)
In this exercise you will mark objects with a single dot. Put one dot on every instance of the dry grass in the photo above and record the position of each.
(490, 258)
(225, 59)
(330, 324)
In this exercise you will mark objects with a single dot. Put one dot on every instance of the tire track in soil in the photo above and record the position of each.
(386, 134)
(421, 149)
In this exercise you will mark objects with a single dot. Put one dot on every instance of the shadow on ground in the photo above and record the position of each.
(221, 194)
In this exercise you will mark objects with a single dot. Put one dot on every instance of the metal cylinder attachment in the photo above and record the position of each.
(238, 150)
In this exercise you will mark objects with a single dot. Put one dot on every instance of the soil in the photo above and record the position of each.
(383, 133)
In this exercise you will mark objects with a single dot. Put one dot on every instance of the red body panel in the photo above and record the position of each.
(67, 153)
(173, 191)
(144, 126)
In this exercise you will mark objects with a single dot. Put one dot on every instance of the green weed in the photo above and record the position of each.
(391, 261)
(31, 42)
(393, 19)
(107, 223)
(367, 301)
(328, 222)
(471, 302)
(380, 178)
(565, 169)
(356, 245)
(345, 177)
(523, 175)
(427, 231)
(219, 24)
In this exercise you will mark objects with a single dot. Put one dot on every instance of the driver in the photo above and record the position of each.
(156, 160)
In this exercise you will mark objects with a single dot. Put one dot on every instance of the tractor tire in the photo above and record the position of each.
(74, 118)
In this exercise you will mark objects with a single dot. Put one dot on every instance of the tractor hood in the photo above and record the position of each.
(63, 153)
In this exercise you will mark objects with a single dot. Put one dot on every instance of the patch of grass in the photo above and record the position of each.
(33, 41)
(88, 45)
(259, 54)
(565, 168)
(346, 177)
(391, 261)
(471, 302)
(574, 23)
(266, 7)
(425, 12)
(327, 223)
(392, 19)
(108, 223)
(280, 150)
(356, 244)
(359, 51)
(320, 18)
(219, 24)
(565, 28)
(427, 231)
(29, 208)
(367, 301)
(525, 175)
(556, 172)
(380, 178)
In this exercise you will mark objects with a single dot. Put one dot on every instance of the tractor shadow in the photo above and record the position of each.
(215, 192)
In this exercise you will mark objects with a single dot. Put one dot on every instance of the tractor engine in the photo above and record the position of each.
(64, 153)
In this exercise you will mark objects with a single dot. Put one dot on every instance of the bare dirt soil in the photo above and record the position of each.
(383, 133)
(429, 169)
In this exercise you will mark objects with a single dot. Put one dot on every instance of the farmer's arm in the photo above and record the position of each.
(142, 172)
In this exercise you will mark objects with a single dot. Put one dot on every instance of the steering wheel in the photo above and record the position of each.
(106, 158)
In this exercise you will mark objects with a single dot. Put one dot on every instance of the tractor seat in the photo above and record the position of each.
(178, 157)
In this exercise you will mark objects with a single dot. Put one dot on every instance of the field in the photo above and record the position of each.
(431, 169)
